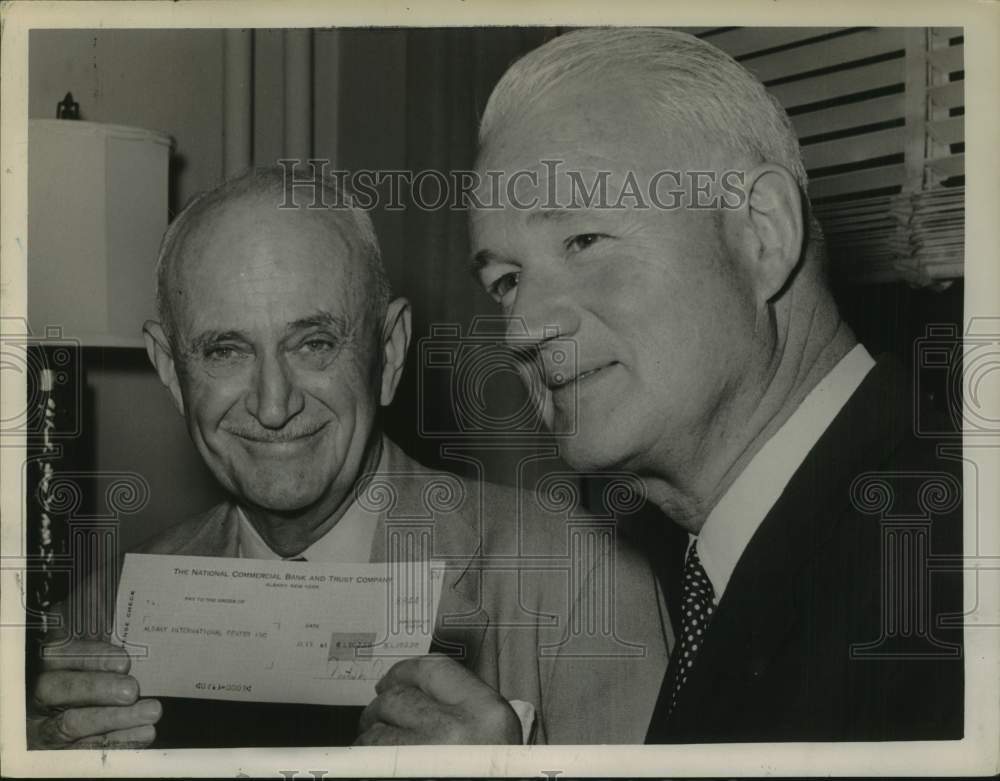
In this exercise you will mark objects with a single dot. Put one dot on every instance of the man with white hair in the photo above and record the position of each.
(656, 212)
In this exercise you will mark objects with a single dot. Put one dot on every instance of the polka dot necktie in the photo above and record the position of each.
(697, 607)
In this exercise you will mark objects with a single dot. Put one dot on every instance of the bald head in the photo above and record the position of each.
(249, 206)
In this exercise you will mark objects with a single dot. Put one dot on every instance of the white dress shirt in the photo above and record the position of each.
(734, 519)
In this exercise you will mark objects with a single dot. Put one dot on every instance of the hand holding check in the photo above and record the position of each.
(84, 698)
(433, 699)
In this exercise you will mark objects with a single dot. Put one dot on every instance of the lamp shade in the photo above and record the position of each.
(97, 208)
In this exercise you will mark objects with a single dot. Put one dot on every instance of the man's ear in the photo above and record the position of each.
(162, 357)
(772, 230)
(395, 343)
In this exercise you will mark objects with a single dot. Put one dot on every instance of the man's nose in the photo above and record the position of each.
(274, 399)
(543, 309)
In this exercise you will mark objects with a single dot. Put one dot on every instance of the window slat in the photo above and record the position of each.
(854, 149)
(948, 131)
(835, 85)
(950, 95)
(948, 59)
(830, 120)
(947, 269)
(948, 32)
(878, 204)
(746, 40)
(836, 51)
(953, 165)
(866, 225)
(936, 241)
(848, 218)
(857, 181)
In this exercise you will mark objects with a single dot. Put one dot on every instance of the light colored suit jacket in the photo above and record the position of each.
(583, 637)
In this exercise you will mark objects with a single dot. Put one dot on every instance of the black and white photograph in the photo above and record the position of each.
(416, 393)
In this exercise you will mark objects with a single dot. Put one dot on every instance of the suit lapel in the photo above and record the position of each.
(665, 544)
(218, 535)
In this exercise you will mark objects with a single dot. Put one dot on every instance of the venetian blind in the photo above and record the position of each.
(880, 117)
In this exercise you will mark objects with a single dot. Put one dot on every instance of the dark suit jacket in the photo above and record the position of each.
(506, 622)
(831, 625)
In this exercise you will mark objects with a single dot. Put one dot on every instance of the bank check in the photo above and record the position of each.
(272, 631)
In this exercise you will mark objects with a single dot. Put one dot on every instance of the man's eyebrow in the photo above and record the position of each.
(481, 259)
(319, 320)
(205, 338)
(543, 215)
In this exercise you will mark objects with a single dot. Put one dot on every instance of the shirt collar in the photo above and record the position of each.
(734, 519)
(348, 541)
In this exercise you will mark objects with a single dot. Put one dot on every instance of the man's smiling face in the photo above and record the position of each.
(660, 315)
(278, 364)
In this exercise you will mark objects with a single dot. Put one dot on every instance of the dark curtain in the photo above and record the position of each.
(411, 99)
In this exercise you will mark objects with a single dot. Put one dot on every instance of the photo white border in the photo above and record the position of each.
(977, 754)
